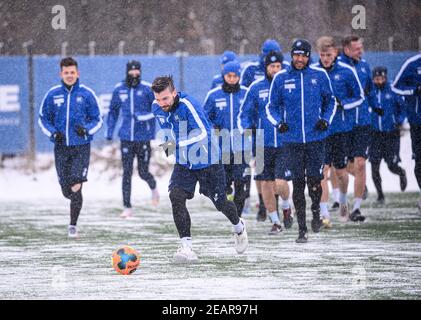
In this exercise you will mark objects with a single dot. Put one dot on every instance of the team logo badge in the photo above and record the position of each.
(263, 94)
(123, 97)
(58, 101)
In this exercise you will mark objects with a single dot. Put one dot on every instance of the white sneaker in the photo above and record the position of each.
(185, 254)
(72, 232)
(241, 240)
(155, 197)
(127, 213)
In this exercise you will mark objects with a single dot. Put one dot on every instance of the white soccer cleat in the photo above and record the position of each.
(72, 232)
(155, 197)
(127, 213)
(185, 255)
(241, 240)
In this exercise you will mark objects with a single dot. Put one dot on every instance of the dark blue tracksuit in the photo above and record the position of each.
(301, 99)
(62, 110)
(197, 157)
(385, 143)
(222, 109)
(408, 83)
(136, 131)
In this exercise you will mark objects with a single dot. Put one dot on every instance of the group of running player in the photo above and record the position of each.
(305, 122)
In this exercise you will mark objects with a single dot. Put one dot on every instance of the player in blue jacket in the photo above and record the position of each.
(253, 115)
(222, 106)
(133, 98)
(252, 71)
(187, 133)
(408, 84)
(349, 96)
(387, 125)
(226, 57)
(70, 115)
(360, 136)
(301, 105)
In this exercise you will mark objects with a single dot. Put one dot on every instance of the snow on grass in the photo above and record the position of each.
(375, 260)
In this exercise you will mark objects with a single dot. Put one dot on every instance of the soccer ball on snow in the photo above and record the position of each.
(125, 260)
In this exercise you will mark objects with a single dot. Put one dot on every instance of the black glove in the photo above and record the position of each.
(58, 137)
(339, 104)
(283, 127)
(322, 125)
(379, 111)
(366, 91)
(81, 131)
(169, 147)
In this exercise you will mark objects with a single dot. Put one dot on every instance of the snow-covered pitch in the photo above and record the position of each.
(378, 259)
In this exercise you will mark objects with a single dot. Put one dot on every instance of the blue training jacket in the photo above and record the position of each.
(393, 106)
(253, 113)
(406, 83)
(362, 68)
(188, 127)
(300, 98)
(135, 104)
(222, 109)
(348, 90)
(63, 109)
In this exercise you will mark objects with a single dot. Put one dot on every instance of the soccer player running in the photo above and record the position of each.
(253, 115)
(301, 105)
(226, 57)
(70, 115)
(387, 123)
(360, 136)
(408, 84)
(134, 98)
(188, 134)
(222, 106)
(252, 71)
(349, 95)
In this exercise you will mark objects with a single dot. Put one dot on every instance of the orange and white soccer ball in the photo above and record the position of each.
(125, 260)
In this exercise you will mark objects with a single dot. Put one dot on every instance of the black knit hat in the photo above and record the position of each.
(272, 57)
(301, 46)
(379, 71)
(133, 65)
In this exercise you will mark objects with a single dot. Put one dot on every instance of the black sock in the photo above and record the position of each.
(315, 193)
(239, 196)
(180, 213)
(76, 201)
(377, 179)
(298, 197)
